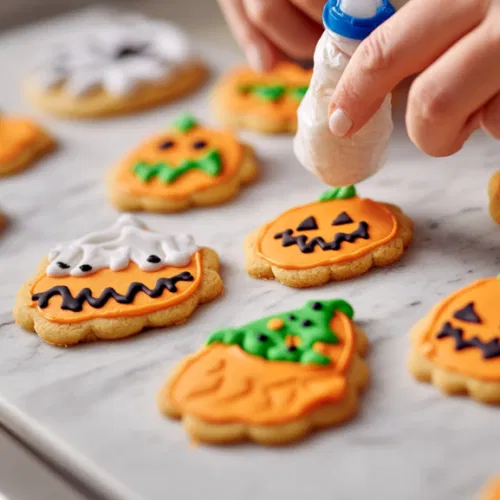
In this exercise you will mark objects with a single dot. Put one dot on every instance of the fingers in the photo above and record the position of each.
(286, 26)
(490, 117)
(404, 45)
(312, 8)
(260, 52)
(445, 98)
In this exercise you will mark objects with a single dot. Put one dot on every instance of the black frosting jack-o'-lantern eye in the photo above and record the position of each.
(308, 224)
(167, 144)
(200, 144)
(468, 314)
(341, 219)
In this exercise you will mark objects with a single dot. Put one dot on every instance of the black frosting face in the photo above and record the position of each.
(307, 245)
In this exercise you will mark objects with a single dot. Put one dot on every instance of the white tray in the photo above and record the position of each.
(92, 408)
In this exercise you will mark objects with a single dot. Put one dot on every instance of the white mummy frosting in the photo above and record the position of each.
(127, 240)
(116, 57)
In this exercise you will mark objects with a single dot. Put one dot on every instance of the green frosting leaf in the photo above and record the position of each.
(269, 92)
(310, 324)
(340, 193)
(210, 163)
(274, 91)
(185, 123)
(298, 93)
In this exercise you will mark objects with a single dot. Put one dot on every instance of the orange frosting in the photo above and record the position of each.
(15, 135)
(223, 384)
(468, 361)
(284, 109)
(492, 490)
(382, 228)
(119, 281)
(230, 150)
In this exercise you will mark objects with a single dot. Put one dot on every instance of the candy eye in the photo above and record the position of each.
(154, 259)
(167, 144)
(199, 144)
(85, 268)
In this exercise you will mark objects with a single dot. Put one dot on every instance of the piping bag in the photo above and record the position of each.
(342, 161)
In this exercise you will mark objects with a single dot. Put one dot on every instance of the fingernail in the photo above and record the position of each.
(339, 123)
(255, 57)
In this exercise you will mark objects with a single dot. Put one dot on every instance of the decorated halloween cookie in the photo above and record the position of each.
(274, 380)
(114, 283)
(187, 165)
(22, 142)
(492, 490)
(337, 237)
(456, 346)
(122, 66)
(265, 102)
(494, 194)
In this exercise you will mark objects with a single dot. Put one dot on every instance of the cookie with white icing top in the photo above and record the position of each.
(340, 236)
(22, 142)
(187, 165)
(114, 283)
(124, 65)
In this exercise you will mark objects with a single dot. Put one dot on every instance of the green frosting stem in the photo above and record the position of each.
(340, 193)
(298, 93)
(273, 92)
(185, 123)
(310, 323)
(211, 164)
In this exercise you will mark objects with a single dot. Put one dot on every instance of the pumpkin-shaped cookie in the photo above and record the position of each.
(188, 165)
(494, 194)
(113, 283)
(457, 346)
(338, 237)
(22, 142)
(273, 380)
(266, 102)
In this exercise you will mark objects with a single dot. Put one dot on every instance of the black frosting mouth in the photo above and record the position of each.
(307, 246)
(75, 304)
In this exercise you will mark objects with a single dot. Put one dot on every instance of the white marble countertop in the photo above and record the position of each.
(92, 408)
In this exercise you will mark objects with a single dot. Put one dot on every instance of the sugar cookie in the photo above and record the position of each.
(274, 380)
(185, 166)
(114, 283)
(22, 142)
(494, 194)
(125, 65)
(456, 346)
(492, 490)
(265, 102)
(338, 237)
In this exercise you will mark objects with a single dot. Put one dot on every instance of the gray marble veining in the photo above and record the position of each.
(93, 406)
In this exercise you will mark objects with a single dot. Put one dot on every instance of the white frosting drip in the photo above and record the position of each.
(91, 61)
(127, 240)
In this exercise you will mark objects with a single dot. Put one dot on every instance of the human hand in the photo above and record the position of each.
(270, 30)
(454, 46)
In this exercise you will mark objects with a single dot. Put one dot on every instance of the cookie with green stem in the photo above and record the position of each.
(273, 380)
(186, 166)
(340, 236)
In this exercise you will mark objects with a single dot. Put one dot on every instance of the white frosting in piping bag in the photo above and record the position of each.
(117, 56)
(127, 240)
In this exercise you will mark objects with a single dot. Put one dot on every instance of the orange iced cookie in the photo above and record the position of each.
(188, 165)
(114, 283)
(494, 195)
(274, 380)
(491, 490)
(338, 237)
(456, 346)
(22, 142)
(265, 102)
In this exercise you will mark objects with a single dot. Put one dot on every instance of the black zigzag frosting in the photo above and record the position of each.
(75, 304)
